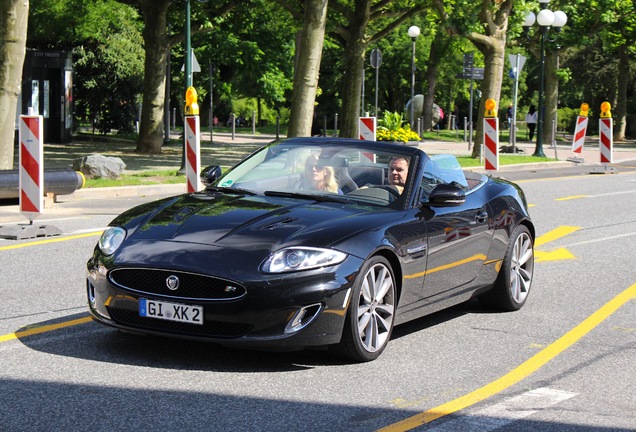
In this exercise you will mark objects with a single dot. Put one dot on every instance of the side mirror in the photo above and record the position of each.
(447, 195)
(210, 174)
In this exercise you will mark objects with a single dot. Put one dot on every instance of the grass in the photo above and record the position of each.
(138, 179)
(468, 162)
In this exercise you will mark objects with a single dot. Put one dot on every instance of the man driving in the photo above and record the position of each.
(398, 171)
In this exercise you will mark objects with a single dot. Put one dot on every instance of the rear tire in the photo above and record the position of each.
(371, 313)
(512, 286)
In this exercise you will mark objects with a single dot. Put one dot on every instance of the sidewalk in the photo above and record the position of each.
(225, 150)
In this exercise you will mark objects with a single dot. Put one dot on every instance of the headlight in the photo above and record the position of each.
(111, 239)
(301, 258)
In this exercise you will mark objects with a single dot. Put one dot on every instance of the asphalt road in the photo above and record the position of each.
(562, 363)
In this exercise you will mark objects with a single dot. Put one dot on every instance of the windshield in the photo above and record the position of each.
(345, 172)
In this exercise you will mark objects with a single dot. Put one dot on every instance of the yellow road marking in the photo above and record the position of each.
(559, 254)
(555, 234)
(43, 329)
(524, 370)
(51, 240)
(571, 197)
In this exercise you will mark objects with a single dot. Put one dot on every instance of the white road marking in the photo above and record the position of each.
(510, 410)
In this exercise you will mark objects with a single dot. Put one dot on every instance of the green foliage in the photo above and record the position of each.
(567, 119)
(390, 129)
(108, 57)
(391, 121)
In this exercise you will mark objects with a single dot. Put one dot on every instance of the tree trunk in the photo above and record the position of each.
(493, 52)
(492, 45)
(620, 114)
(438, 48)
(155, 34)
(355, 47)
(14, 15)
(551, 93)
(352, 90)
(307, 68)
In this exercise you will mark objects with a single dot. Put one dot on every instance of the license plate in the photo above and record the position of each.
(171, 311)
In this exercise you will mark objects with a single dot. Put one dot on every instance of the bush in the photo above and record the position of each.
(567, 119)
(390, 128)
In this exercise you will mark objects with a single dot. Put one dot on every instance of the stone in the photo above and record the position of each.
(97, 165)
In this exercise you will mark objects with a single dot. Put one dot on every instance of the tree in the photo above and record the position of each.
(309, 43)
(354, 32)
(13, 29)
(155, 34)
(491, 42)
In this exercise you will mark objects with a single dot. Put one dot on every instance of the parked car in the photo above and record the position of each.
(261, 259)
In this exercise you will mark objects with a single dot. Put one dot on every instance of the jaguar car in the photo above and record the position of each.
(266, 257)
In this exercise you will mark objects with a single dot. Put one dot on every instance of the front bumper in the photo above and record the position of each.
(276, 311)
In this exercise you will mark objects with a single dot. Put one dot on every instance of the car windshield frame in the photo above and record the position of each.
(360, 169)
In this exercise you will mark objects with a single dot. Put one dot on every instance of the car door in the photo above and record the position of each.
(458, 239)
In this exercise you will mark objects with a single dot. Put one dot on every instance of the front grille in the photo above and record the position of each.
(216, 329)
(191, 285)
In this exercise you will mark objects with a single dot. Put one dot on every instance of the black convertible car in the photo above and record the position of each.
(314, 242)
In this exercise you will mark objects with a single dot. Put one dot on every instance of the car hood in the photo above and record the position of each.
(249, 222)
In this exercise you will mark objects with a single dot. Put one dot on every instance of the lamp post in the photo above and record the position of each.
(414, 32)
(546, 19)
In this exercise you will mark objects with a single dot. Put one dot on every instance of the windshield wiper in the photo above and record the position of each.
(228, 190)
(308, 196)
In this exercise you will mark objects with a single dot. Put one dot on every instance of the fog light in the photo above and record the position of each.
(302, 318)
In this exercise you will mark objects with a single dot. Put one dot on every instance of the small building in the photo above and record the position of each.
(47, 90)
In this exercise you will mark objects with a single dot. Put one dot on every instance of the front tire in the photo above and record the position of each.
(512, 287)
(371, 312)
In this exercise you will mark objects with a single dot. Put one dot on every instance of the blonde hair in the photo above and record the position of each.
(331, 184)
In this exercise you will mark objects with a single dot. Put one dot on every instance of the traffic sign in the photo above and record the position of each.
(376, 58)
(474, 73)
(195, 64)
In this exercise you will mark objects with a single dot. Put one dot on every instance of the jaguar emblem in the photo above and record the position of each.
(172, 282)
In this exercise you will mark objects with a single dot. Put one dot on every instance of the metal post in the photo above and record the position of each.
(277, 127)
(538, 151)
(375, 113)
(335, 126)
(233, 125)
(166, 105)
(212, 68)
(465, 127)
(188, 76)
(362, 99)
(513, 130)
(470, 113)
(554, 146)
(412, 119)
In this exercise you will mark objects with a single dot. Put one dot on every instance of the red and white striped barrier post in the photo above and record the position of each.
(491, 136)
(193, 142)
(606, 134)
(31, 179)
(581, 129)
(367, 128)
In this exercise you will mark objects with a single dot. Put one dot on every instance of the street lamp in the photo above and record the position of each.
(414, 32)
(546, 19)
